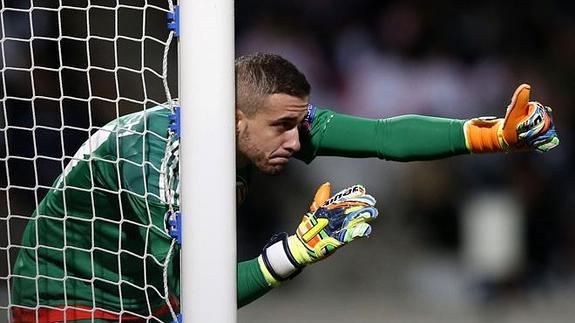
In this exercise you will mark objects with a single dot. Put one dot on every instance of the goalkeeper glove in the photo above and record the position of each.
(331, 223)
(526, 126)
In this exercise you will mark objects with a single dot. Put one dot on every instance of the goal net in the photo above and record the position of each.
(88, 168)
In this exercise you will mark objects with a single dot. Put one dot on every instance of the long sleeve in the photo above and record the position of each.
(251, 282)
(402, 138)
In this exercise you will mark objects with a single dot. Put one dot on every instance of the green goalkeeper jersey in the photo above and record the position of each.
(99, 238)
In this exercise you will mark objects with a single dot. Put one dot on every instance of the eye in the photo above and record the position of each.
(285, 125)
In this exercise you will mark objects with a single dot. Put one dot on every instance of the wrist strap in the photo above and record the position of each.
(278, 259)
(484, 135)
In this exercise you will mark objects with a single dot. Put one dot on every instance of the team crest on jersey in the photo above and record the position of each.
(307, 122)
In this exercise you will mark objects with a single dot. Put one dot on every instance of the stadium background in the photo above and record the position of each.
(442, 58)
(381, 59)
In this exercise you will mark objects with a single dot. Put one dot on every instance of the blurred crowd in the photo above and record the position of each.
(451, 59)
(465, 230)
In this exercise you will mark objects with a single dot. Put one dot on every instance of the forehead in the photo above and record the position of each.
(280, 104)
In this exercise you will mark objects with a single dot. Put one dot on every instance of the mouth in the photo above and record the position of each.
(279, 160)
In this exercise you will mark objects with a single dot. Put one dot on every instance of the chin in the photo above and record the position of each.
(271, 169)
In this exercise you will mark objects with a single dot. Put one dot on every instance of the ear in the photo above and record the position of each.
(240, 120)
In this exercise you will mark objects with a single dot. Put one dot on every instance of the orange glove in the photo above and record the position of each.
(526, 126)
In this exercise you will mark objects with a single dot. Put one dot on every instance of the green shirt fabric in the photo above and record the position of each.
(402, 138)
(100, 237)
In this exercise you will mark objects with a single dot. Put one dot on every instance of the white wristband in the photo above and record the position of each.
(279, 261)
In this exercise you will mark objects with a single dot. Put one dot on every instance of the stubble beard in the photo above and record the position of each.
(256, 156)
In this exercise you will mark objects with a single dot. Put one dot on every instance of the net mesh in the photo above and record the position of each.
(87, 167)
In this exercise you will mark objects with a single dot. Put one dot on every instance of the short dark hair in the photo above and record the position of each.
(261, 74)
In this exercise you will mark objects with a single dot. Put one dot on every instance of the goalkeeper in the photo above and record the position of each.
(71, 269)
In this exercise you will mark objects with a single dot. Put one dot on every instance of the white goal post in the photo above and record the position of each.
(207, 96)
(94, 170)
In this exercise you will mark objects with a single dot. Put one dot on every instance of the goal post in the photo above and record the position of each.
(93, 173)
(208, 160)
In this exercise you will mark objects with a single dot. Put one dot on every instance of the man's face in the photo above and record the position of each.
(270, 137)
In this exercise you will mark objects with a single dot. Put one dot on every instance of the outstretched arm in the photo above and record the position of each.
(403, 138)
(526, 126)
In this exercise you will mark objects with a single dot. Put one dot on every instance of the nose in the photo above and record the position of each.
(292, 140)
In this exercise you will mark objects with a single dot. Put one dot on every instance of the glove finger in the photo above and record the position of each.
(367, 213)
(358, 231)
(348, 193)
(537, 122)
(356, 217)
(516, 112)
(365, 199)
(547, 139)
(544, 136)
(546, 143)
(322, 194)
(362, 215)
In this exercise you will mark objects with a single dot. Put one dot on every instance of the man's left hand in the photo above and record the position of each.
(528, 125)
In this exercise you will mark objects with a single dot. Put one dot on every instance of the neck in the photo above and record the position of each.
(241, 160)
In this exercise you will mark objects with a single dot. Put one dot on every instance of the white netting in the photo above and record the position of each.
(95, 248)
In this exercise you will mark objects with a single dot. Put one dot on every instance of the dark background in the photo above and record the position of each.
(466, 239)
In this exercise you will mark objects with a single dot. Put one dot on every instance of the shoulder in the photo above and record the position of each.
(154, 119)
(316, 119)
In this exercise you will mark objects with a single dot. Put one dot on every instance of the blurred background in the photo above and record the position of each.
(466, 239)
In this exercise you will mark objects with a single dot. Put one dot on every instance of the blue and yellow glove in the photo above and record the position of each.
(332, 222)
(527, 126)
